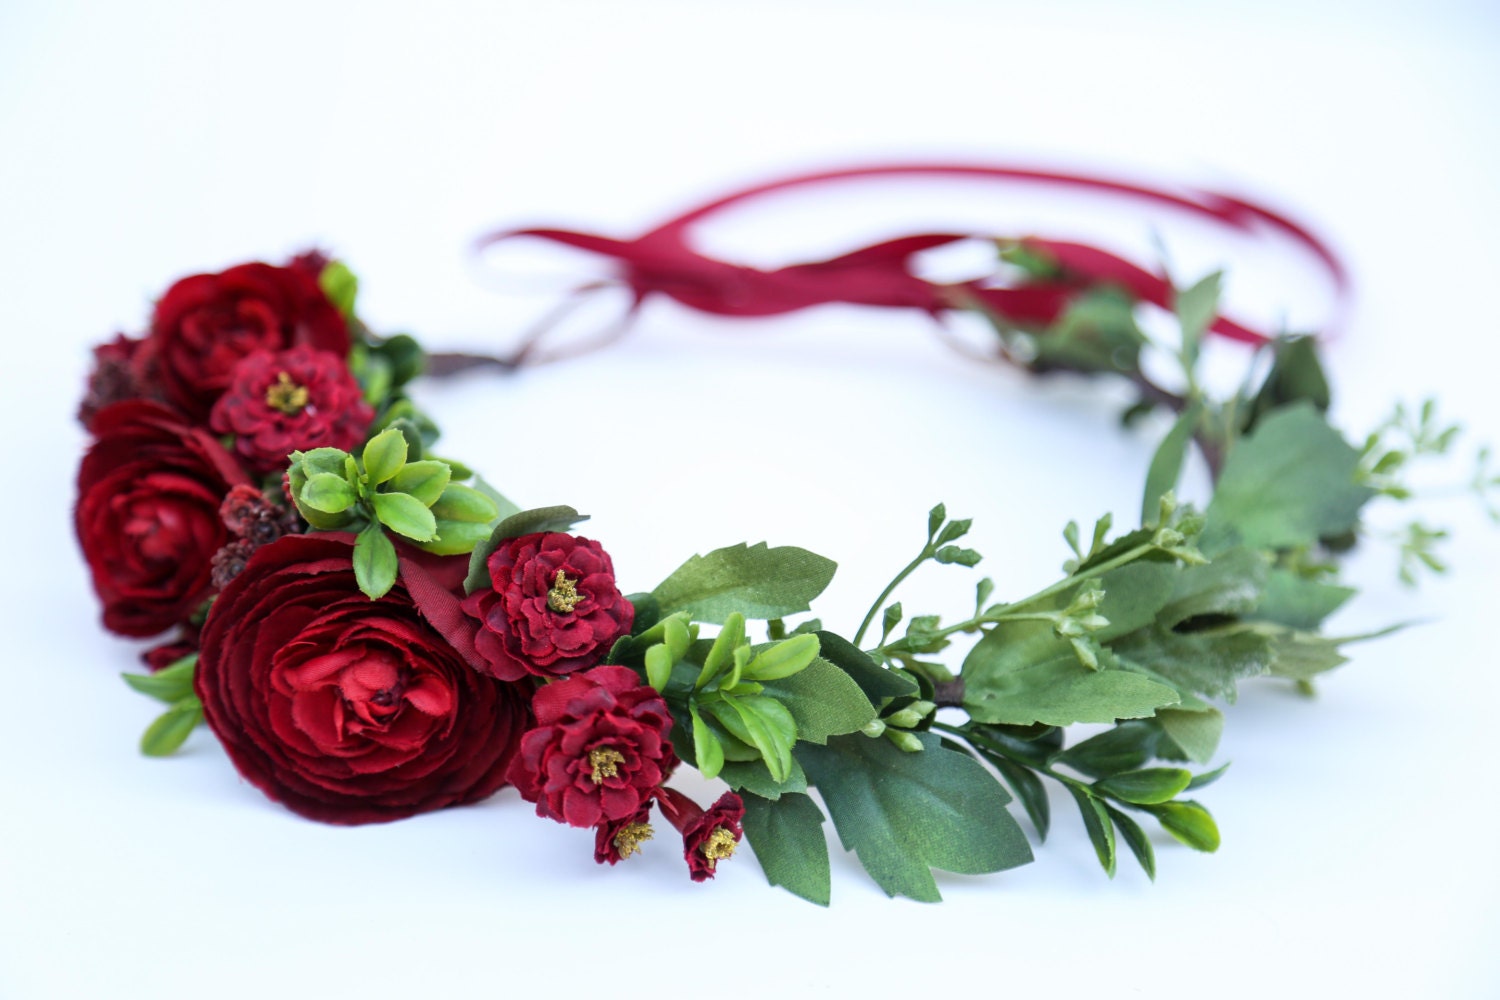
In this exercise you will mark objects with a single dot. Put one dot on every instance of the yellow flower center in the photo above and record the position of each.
(604, 762)
(631, 836)
(286, 395)
(563, 596)
(719, 845)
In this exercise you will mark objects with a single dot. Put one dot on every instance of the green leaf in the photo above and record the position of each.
(906, 813)
(405, 515)
(753, 777)
(824, 701)
(169, 685)
(426, 481)
(405, 356)
(1301, 656)
(1208, 662)
(375, 562)
(384, 455)
(1166, 464)
(455, 538)
(1296, 375)
(172, 728)
(1231, 584)
(1197, 307)
(1122, 748)
(1190, 823)
(783, 659)
(721, 653)
(1021, 673)
(950, 554)
(1206, 778)
(1135, 838)
(1029, 790)
(659, 668)
(527, 522)
(756, 581)
(764, 724)
(328, 493)
(504, 506)
(1288, 483)
(788, 840)
(935, 519)
(707, 749)
(1133, 594)
(1195, 733)
(1298, 602)
(339, 286)
(1097, 822)
(462, 503)
(880, 685)
(1147, 786)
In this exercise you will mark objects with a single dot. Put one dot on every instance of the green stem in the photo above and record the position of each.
(927, 553)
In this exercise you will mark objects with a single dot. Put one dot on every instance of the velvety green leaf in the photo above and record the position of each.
(754, 777)
(1195, 733)
(824, 701)
(172, 728)
(1021, 673)
(1135, 838)
(328, 493)
(1288, 483)
(1133, 594)
(527, 522)
(1190, 823)
(426, 481)
(788, 840)
(1100, 828)
(405, 515)
(1207, 662)
(1029, 790)
(1297, 602)
(782, 659)
(1147, 786)
(757, 581)
(1301, 656)
(906, 813)
(1166, 464)
(375, 562)
(169, 685)
(1123, 748)
(384, 455)
(462, 503)
(1231, 584)
(880, 685)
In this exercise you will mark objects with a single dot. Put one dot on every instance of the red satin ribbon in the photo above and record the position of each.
(663, 262)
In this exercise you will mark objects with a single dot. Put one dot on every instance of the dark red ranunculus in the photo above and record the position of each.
(116, 377)
(205, 324)
(349, 710)
(708, 835)
(616, 840)
(552, 608)
(147, 518)
(599, 748)
(292, 400)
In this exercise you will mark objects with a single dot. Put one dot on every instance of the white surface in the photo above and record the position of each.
(144, 141)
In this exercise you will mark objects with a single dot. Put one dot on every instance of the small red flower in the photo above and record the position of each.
(293, 400)
(708, 836)
(616, 840)
(553, 608)
(115, 378)
(598, 750)
(206, 323)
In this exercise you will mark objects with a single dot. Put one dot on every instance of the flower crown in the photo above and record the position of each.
(372, 631)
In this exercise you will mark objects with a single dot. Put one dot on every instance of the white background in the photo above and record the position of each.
(145, 141)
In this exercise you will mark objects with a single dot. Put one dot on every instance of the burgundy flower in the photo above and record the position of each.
(348, 710)
(205, 324)
(552, 609)
(148, 515)
(162, 656)
(599, 748)
(616, 840)
(293, 400)
(116, 377)
(708, 836)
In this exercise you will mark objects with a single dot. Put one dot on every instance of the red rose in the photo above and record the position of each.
(708, 835)
(599, 748)
(294, 400)
(148, 515)
(616, 840)
(348, 710)
(205, 324)
(552, 608)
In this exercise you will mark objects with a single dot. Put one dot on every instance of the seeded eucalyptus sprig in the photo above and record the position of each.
(389, 486)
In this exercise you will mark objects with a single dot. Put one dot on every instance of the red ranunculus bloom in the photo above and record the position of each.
(708, 835)
(599, 748)
(616, 840)
(293, 400)
(348, 710)
(205, 324)
(148, 515)
(552, 608)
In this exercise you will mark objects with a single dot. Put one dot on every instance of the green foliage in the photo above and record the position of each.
(173, 686)
(1196, 307)
(906, 813)
(375, 563)
(526, 522)
(1166, 464)
(340, 285)
(788, 839)
(752, 580)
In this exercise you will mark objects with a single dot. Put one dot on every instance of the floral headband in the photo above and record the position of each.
(372, 631)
